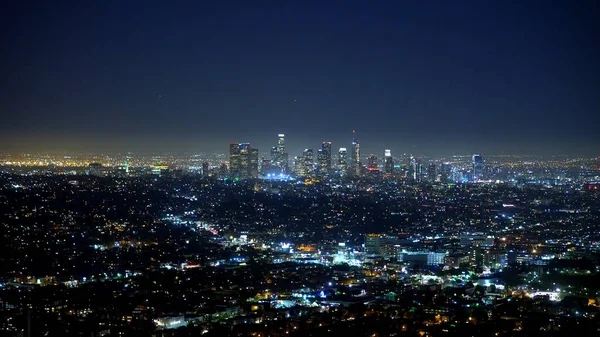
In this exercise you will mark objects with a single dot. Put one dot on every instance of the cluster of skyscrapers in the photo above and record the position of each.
(244, 163)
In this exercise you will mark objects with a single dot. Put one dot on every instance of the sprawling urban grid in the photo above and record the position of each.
(332, 243)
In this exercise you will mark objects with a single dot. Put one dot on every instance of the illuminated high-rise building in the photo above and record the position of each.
(281, 143)
(372, 243)
(388, 162)
(445, 172)
(356, 156)
(235, 160)
(415, 170)
(243, 161)
(342, 160)
(478, 165)
(431, 172)
(244, 149)
(205, 169)
(321, 171)
(373, 163)
(223, 171)
(279, 156)
(308, 159)
(324, 159)
(412, 163)
(253, 163)
(298, 166)
(274, 154)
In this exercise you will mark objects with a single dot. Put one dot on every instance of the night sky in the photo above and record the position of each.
(424, 77)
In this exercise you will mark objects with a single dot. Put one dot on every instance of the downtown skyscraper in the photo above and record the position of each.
(324, 159)
(342, 164)
(243, 161)
(279, 156)
(356, 156)
(478, 165)
(388, 162)
(373, 164)
(304, 166)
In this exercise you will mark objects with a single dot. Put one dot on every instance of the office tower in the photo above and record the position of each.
(253, 163)
(356, 156)
(279, 156)
(235, 164)
(373, 163)
(431, 172)
(343, 160)
(445, 172)
(299, 166)
(321, 162)
(223, 171)
(324, 159)
(275, 155)
(244, 149)
(308, 161)
(388, 162)
(205, 169)
(478, 166)
(281, 143)
(243, 161)
(413, 168)
(95, 169)
(266, 167)
(372, 244)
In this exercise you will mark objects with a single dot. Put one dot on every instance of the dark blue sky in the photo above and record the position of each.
(424, 77)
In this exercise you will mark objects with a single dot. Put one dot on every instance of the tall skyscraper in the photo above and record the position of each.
(274, 155)
(388, 162)
(279, 156)
(253, 163)
(299, 166)
(267, 169)
(324, 159)
(321, 162)
(223, 171)
(478, 165)
(356, 156)
(243, 161)
(373, 163)
(235, 160)
(205, 169)
(412, 167)
(281, 143)
(343, 160)
(415, 170)
(431, 172)
(445, 172)
(308, 159)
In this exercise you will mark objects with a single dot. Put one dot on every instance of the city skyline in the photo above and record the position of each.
(438, 78)
(300, 168)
